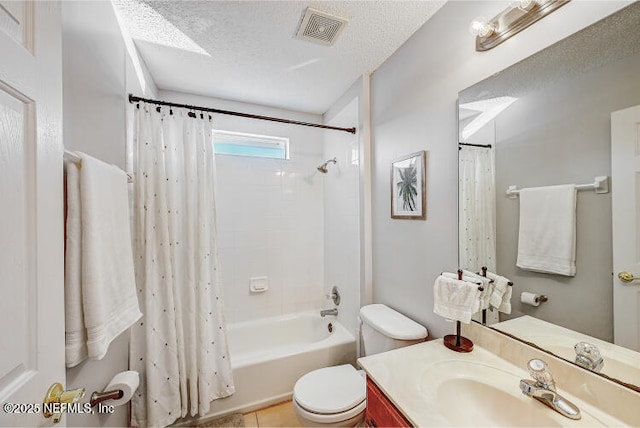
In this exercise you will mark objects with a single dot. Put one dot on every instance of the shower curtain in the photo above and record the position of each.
(180, 346)
(477, 202)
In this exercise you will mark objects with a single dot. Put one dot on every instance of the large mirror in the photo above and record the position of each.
(547, 121)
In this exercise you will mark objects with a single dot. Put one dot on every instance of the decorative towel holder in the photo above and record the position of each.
(457, 342)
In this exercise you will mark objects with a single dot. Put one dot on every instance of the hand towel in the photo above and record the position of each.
(75, 333)
(547, 236)
(468, 278)
(104, 259)
(485, 283)
(505, 305)
(454, 299)
(501, 293)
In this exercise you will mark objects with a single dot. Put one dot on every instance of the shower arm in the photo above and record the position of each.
(323, 168)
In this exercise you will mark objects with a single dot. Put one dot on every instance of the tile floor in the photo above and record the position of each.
(279, 415)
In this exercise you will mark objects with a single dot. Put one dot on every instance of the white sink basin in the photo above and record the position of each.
(475, 394)
(485, 405)
(494, 408)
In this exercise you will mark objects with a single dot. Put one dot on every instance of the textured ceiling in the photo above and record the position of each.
(247, 50)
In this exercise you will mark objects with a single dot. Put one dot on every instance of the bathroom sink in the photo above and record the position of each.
(468, 393)
(434, 386)
(486, 405)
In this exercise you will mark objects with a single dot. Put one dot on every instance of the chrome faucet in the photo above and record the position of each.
(333, 311)
(543, 389)
(588, 356)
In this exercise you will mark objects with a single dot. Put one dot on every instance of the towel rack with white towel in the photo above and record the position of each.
(73, 157)
(100, 292)
(599, 185)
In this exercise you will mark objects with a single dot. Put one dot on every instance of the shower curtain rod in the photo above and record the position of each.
(486, 146)
(134, 99)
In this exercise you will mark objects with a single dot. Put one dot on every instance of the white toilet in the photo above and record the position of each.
(337, 396)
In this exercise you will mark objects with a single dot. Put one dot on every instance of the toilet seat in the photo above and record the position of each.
(331, 394)
(331, 419)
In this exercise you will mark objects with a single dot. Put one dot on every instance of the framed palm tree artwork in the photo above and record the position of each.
(408, 187)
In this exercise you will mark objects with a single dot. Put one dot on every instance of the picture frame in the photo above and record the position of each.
(408, 187)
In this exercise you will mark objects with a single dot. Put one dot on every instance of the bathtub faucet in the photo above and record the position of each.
(333, 311)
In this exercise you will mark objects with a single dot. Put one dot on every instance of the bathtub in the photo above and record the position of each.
(269, 355)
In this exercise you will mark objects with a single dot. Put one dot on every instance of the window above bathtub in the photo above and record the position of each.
(241, 144)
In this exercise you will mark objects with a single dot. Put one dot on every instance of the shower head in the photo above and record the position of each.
(323, 168)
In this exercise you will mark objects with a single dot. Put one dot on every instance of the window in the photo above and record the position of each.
(262, 146)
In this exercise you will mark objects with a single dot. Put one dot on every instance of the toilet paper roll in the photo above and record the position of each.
(127, 382)
(529, 299)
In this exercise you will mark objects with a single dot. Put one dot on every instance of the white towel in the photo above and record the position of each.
(105, 260)
(75, 333)
(501, 293)
(468, 278)
(505, 305)
(485, 283)
(547, 236)
(454, 299)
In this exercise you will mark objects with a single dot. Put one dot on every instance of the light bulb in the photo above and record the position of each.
(523, 5)
(481, 27)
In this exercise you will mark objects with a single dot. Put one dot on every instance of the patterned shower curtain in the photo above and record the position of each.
(477, 217)
(180, 346)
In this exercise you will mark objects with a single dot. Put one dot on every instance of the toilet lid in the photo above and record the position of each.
(391, 323)
(331, 389)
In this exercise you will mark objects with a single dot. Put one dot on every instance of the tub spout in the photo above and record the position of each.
(333, 311)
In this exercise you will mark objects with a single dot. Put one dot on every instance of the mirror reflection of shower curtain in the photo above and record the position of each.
(477, 208)
(180, 347)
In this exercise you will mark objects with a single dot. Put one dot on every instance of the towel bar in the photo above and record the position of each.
(599, 185)
(73, 157)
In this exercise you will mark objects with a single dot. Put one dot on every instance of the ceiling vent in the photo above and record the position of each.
(320, 27)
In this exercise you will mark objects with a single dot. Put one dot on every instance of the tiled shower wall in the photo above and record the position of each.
(270, 225)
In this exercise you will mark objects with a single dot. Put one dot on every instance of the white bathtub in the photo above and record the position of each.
(269, 355)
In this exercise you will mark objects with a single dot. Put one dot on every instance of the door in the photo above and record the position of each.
(31, 209)
(625, 178)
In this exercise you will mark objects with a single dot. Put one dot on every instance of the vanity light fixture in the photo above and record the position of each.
(515, 18)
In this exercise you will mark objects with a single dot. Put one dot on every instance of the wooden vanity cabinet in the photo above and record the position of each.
(380, 411)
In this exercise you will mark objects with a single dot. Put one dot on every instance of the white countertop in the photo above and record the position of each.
(434, 386)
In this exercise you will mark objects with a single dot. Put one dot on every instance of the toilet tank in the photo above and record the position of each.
(384, 329)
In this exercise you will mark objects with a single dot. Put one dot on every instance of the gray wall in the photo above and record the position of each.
(557, 135)
(413, 97)
(98, 72)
